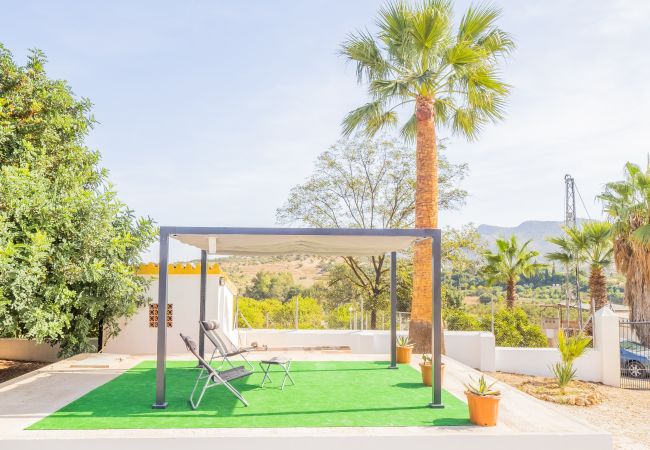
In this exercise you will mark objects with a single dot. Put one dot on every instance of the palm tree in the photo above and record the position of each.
(451, 78)
(508, 264)
(590, 244)
(627, 203)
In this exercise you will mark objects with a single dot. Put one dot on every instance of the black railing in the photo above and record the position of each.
(635, 356)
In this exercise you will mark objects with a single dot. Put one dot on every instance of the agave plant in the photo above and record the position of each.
(571, 348)
(426, 359)
(481, 387)
(404, 341)
(564, 374)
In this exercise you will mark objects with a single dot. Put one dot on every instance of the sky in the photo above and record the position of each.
(209, 112)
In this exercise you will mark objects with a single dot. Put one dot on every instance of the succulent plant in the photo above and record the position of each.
(404, 341)
(481, 388)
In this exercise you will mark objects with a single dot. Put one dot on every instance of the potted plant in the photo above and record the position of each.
(483, 402)
(404, 349)
(426, 367)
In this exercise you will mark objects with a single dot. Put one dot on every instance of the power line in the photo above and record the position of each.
(581, 200)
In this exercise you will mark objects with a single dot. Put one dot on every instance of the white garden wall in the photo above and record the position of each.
(138, 338)
(25, 350)
(537, 361)
(473, 348)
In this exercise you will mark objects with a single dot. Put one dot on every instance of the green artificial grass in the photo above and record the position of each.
(326, 394)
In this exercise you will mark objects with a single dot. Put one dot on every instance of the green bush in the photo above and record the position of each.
(256, 311)
(512, 328)
(460, 320)
(339, 317)
(281, 315)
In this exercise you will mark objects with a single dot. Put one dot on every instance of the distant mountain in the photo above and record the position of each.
(537, 230)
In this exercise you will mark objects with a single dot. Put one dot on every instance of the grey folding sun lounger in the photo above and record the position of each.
(213, 377)
(222, 344)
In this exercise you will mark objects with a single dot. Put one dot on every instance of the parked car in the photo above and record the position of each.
(635, 359)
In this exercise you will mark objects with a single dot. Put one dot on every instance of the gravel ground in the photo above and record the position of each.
(625, 413)
(13, 369)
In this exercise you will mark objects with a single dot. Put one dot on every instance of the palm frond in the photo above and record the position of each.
(642, 235)
(363, 50)
(408, 130)
(476, 21)
(357, 118)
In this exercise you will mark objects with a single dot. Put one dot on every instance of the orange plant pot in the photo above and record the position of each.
(483, 410)
(427, 374)
(404, 355)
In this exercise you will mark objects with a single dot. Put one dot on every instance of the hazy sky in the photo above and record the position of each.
(209, 112)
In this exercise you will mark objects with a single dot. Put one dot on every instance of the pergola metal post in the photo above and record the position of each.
(436, 274)
(416, 234)
(161, 357)
(393, 310)
(204, 281)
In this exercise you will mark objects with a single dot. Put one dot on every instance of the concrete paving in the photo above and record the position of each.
(524, 422)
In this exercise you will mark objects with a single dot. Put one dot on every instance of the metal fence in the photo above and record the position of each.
(635, 357)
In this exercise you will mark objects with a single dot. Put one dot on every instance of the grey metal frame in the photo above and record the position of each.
(393, 311)
(220, 347)
(204, 285)
(423, 233)
(286, 366)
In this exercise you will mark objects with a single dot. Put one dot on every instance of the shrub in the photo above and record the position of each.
(460, 320)
(512, 328)
(571, 348)
(339, 317)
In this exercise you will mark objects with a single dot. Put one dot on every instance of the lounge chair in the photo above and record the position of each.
(213, 377)
(222, 344)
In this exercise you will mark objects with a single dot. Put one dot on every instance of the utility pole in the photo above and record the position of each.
(570, 221)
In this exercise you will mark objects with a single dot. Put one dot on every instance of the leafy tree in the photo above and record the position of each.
(590, 243)
(273, 313)
(512, 328)
(450, 76)
(272, 285)
(366, 184)
(627, 203)
(460, 320)
(68, 246)
(258, 312)
(339, 317)
(510, 261)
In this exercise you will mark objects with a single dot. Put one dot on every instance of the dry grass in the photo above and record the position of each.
(13, 369)
(623, 412)
(241, 269)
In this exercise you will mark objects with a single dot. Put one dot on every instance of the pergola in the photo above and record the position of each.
(301, 241)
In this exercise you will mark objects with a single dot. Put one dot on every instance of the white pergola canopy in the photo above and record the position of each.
(302, 241)
(297, 244)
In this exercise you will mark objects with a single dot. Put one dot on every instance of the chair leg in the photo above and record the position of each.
(266, 374)
(236, 392)
(248, 362)
(286, 368)
(205, 387)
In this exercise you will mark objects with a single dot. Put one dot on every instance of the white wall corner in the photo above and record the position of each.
(488, 352)
(607, 342)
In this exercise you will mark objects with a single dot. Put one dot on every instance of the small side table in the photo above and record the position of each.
(285, 363)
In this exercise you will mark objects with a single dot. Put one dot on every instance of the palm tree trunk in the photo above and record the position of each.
(426, 216)
(597, 287)
(510, 293)
(637, 291)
